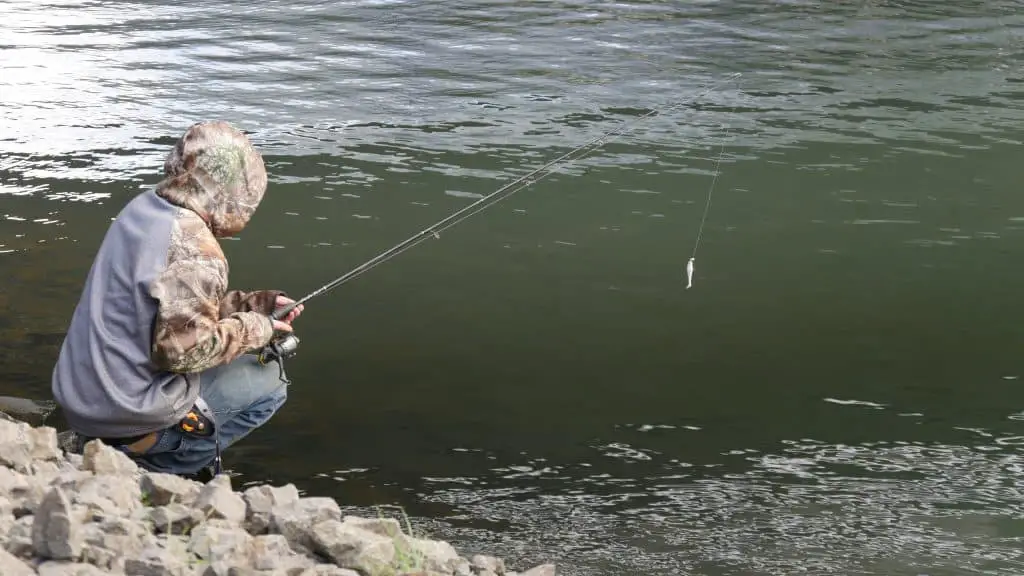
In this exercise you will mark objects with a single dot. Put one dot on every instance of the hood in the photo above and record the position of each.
(214, 171)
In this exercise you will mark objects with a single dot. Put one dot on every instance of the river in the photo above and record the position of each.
(839, 393)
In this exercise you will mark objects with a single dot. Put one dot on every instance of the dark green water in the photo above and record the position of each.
(838, 393)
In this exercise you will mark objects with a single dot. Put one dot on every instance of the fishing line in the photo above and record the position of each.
(703, 219)
(495, 197)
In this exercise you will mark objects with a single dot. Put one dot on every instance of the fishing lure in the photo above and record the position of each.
(689, 274)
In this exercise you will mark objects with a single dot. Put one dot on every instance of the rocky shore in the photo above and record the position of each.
(98, 513)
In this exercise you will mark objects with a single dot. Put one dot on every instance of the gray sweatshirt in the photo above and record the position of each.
(155, 311)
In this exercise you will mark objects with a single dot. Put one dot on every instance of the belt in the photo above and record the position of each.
(134, 444)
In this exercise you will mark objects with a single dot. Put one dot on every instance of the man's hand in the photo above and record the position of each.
(284, 324)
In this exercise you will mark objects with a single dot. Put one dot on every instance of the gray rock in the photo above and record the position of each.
(222, 541)
(115, 495)
(295, 521)
(155, 561)
(16, 445)
(542, 570)
(162, 489)
(435, 555)
(261, 500)
(481, 562)
(100, 459)
(174, 518)
(74, 460)
(271, 552)
(44, 446)
(54, 535)
(23, 493)
(55, 568)
(11, 565)
(328, 570)
(217, 500)
(69, 480)
(350, 546)
(45, 470)
(463, 568)
(381, 526)
(19, 538)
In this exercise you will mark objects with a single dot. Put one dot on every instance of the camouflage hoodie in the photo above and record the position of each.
(155, 311)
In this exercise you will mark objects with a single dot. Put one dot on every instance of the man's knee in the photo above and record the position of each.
(241, 385)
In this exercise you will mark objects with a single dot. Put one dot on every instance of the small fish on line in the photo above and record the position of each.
(689, 274)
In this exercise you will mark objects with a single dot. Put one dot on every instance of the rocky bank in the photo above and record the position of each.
(98, 513)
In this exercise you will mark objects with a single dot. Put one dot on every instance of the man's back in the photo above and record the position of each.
(104, 378)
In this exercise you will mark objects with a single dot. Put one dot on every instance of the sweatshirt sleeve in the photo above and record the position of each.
(189, 333)
(262, 301)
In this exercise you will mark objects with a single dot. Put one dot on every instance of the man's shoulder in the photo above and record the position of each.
(192, 238)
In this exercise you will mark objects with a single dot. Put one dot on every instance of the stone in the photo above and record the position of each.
(435, 555)
(352, 547)
(11, 565)
(155, 561)
(55, 568)
(99, 458)
(19, 538)
(481, 562)
(161, 489)
(542, 570)
(54, 535)
(174, 518)
(271, 552)
(120, 492)
(222, 541)
(43, 444)
(15, 445)
(261, 500)
(295, 521)
(382, 526)
(217, 500)
(328, 570)
(463, 568)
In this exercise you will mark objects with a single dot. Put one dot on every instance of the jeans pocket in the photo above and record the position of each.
(169, 440)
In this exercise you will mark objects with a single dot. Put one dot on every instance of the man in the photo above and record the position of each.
(157, 340)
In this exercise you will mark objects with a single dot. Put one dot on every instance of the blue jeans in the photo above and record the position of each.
(243, 395)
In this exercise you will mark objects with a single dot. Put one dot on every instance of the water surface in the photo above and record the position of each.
(839, 393)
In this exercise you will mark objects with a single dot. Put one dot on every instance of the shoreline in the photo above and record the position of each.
(98, 513)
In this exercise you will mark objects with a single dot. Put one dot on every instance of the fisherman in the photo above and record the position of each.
(158, 346)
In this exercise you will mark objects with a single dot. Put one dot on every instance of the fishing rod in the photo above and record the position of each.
(286, 346)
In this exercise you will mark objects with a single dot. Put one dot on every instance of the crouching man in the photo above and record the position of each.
(158, 346)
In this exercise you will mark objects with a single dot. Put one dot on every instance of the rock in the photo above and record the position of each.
(295, 521)
(463, 568)
(222, 541)
(260, 500)
(43, 444)
(54, 568)
(435, 555)
(54, 535)
(481, 563)
(11, 565)
(15, 445)
(542, 570)
(99, 458)
(350, 546)
(328, 570)
(271, 552)
(217, 500)
(120, 494)
(19, 538)
(174, 518)
(155, 561)
(162, 489)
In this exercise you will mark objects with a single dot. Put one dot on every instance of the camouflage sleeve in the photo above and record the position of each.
(189, 333)
(262, 301)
